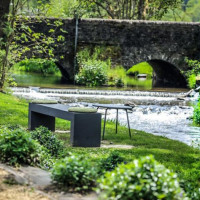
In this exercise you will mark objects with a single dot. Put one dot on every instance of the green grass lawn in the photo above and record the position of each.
(179, 157)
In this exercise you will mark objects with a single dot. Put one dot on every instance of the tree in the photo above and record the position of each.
(113, 9)
(4, 10)
(133, 9)
(20, 39)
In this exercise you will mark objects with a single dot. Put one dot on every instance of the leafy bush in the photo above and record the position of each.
(109, 163)
(196, 114)
(194, 67)
(42, 158)
(38, 66)
(16, 146)
(143, 179)
(47, 139)
(92, 73)
(75, 173)
(119, 82)
(192, 81)
(190, 182)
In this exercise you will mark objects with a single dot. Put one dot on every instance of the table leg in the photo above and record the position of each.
(36, 120)
(128, 124)
(116, 121)
(104, 124)
(86, 130)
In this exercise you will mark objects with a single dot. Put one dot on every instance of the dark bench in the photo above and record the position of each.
(85, 127)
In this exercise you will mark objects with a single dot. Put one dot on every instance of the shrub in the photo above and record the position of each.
(16, 146)
(42, 66)
(190, 182)
(192, 81)
(109, 163)
(92, 73)
(47, 139)
(194, 66)
(42, 158)
(196, 114)
(143, 179)
(119, 82)
(75, 173)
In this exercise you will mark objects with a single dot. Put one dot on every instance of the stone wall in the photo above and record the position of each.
(163, 44)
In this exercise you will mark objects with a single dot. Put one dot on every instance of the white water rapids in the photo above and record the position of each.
(159, 113)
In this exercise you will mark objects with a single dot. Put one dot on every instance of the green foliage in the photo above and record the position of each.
(16, 146)
(116, 73)
(74, 172)
(47, 139)
(193, 72)
(190, 182)
(68, 8)
(20, 40)
(143, 179)
(196, 114)
(42, 66)
(109, 163)
(129, 9)
(119, 82)
(28, 42)
(93, 70)
(187, 12)
(192, 81)
(92, 73)
(194, 67)
(175, 155)
(141, 68)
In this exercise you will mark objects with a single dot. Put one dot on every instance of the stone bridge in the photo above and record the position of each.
(164, 45)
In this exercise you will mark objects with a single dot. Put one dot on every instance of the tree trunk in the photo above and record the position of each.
(4, 9)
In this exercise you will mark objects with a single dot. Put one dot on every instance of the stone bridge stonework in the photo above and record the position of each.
(164, 45)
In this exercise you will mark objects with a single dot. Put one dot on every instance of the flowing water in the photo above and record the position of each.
(161, 111)
(157, 112)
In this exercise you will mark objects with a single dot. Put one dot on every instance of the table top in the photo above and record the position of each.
(113, 106)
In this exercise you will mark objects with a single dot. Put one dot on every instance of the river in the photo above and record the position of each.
(158, 112)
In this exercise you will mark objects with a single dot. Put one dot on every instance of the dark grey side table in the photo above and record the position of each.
(116, 107)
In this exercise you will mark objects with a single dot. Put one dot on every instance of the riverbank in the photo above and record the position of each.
(175, 155)
(158, 112)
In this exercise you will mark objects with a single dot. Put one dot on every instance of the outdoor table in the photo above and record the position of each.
(116, 107)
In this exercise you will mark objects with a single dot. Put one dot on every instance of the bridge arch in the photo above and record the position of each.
(167, 75)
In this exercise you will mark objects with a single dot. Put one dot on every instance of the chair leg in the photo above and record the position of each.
(116, 121)
(104, 124)
(128, 124)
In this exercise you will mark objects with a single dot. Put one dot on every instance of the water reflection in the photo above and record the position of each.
(26, 79)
